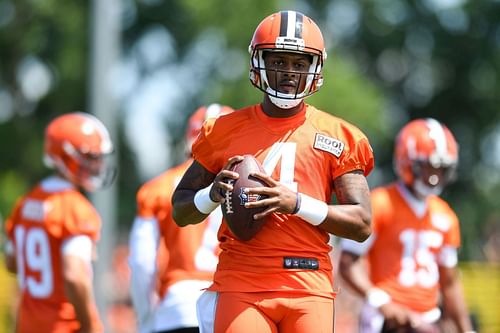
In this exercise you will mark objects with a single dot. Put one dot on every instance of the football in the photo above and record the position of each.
(238, 218)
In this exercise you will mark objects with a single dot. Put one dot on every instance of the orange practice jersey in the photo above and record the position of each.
(184, 253)
(305, 152)
(404, 257)
(41, 221)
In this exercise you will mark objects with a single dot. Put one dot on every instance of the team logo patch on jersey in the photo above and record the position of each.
(330, 145)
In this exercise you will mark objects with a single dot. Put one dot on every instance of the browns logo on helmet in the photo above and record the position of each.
(287, 31)
(78, 146)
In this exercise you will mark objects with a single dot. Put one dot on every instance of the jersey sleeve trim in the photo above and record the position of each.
(78, 246)
(357, 248)
(448, 256)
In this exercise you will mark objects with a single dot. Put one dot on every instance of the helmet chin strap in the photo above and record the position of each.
(424, 190)
(283, 103)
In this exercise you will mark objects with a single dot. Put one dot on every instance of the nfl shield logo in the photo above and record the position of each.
(245, 197)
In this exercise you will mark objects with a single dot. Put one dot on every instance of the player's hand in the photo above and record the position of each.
(278, 197)
(396, 317)
(426, 328)
(219, 184)
(400, 319)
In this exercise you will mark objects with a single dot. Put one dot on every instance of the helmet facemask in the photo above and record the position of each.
(89, 171)
(430, 179)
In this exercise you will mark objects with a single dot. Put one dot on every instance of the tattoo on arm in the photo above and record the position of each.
(352, 188)
(196, 177)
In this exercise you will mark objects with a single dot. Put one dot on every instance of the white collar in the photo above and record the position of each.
(418, 206)
(55, 184)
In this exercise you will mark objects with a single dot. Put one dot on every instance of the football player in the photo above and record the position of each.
(412, 252)
(53, 229)
(171, 265)
(280, 280)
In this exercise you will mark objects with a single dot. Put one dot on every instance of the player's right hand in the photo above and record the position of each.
(219, 184)
(396, 316)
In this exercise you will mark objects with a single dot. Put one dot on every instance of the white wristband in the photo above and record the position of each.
(312, 210)
(203, 202)
(376, 297)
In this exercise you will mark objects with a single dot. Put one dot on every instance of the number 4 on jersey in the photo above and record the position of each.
(286, 152)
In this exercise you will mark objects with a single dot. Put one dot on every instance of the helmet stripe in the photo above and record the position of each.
(291, 24)
(283, 24)
(298, 25)
(290, 29)
(437, 134)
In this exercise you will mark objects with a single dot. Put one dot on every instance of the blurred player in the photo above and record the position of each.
(53, 230)
(412, 252)
(280, 280)
(171, 265)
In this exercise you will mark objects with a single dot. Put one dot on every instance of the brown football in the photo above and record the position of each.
(238, 218)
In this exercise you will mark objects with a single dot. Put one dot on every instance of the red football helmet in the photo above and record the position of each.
(197, 119)
(426, 156)
(78, 146)
(287, 31)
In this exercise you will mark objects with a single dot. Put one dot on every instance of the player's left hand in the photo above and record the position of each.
(425, 328)
(279, 198)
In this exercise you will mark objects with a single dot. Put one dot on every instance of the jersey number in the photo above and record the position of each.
(418, 263)
(286, 152)
(34, 262)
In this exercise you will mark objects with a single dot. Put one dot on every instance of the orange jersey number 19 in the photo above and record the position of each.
(33, 253)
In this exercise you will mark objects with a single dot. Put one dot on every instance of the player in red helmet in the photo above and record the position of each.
(292, 32)
(171, 265)
(53, 229)
(425, 157)
(281, 279)
(412, 252)
(197, 119)
(81, 156)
